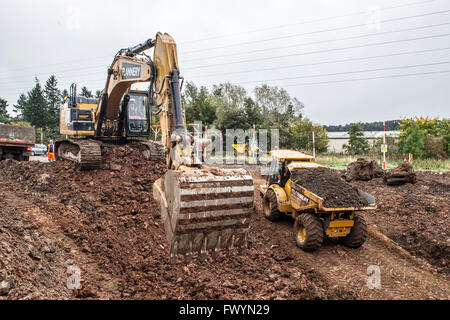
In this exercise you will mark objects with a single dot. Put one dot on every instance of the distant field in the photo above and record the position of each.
(341, 162)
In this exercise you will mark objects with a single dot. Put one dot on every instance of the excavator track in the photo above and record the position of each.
(151, 150)
(86, 153)
(205, 210)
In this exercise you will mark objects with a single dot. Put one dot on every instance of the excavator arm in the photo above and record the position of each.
(168, 99)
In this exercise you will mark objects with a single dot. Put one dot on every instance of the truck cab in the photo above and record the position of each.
(283, 161)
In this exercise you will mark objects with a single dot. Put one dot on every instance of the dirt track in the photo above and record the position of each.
(106, 223)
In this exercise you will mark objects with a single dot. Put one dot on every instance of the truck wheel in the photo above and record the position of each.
(308, 232)
(358, 234)
(270, 206)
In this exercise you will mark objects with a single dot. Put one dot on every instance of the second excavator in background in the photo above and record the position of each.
(203, 209)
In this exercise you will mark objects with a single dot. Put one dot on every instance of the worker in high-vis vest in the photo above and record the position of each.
(51, 151)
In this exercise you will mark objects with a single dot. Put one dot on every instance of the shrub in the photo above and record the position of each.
(434, 147)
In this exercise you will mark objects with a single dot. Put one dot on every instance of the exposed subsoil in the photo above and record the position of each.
(401, 174)
(416, 216)
(326, 183)
(52, 216)
(363, 169)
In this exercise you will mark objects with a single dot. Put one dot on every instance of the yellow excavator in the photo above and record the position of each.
(203, 209)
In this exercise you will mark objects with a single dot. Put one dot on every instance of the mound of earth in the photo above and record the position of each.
(364, 169)
(416, 216)
(401, 174)
(326, 184)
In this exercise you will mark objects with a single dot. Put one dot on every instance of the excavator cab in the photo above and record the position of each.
(138, 118)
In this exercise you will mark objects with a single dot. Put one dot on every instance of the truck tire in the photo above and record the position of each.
(270, 206)
(358, 234)
(308, 232)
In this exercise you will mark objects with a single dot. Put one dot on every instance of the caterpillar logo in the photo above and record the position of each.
(130, 70)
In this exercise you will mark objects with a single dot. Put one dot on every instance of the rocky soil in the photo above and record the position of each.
(55, 219)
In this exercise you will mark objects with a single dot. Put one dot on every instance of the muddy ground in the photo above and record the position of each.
(55, 218)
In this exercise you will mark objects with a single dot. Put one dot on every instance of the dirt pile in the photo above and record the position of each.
(415, 215)
(328, 185)
(364, 169)
(88, 215)
(402, 174)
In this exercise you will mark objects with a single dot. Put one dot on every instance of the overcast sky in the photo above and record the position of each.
(221, 41)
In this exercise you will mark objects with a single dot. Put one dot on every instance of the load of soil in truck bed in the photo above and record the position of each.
(326, 184)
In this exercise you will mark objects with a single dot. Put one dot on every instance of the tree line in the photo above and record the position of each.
(228, 106)
(391, 125)
(422, 137)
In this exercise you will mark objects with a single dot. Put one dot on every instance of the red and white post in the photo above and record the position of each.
(42, 136)
(313, 144)
(384, 146)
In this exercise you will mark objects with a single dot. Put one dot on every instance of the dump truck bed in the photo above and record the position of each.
(303, 199)
(16, 136)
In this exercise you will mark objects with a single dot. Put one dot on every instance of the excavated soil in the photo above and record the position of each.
(54, 217)
(363, 169)
(401, 174)
(328, 185)
(106, 223)
(416, 216)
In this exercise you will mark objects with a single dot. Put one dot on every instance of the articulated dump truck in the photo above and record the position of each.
(16, 142)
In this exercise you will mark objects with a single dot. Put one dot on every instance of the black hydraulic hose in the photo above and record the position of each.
(141, 47)
(176, 100)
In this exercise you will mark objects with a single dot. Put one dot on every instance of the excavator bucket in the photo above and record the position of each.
(205, 210)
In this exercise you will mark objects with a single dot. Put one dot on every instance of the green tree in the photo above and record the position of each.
(34, 108)
(434, 147)
(252, 113)
(86, 93)
(198, 104)
(443, 130)
(414, 143)
(278, 110)
(300, 136)
(53, 97)
(20, 106)
(229, 101)
(98, 94)
(3, 105)
(357, 144)
(427, 125)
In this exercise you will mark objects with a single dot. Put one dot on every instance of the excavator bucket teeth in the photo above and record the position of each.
(205, 210)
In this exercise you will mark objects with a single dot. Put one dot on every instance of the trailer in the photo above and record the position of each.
(16, 142)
